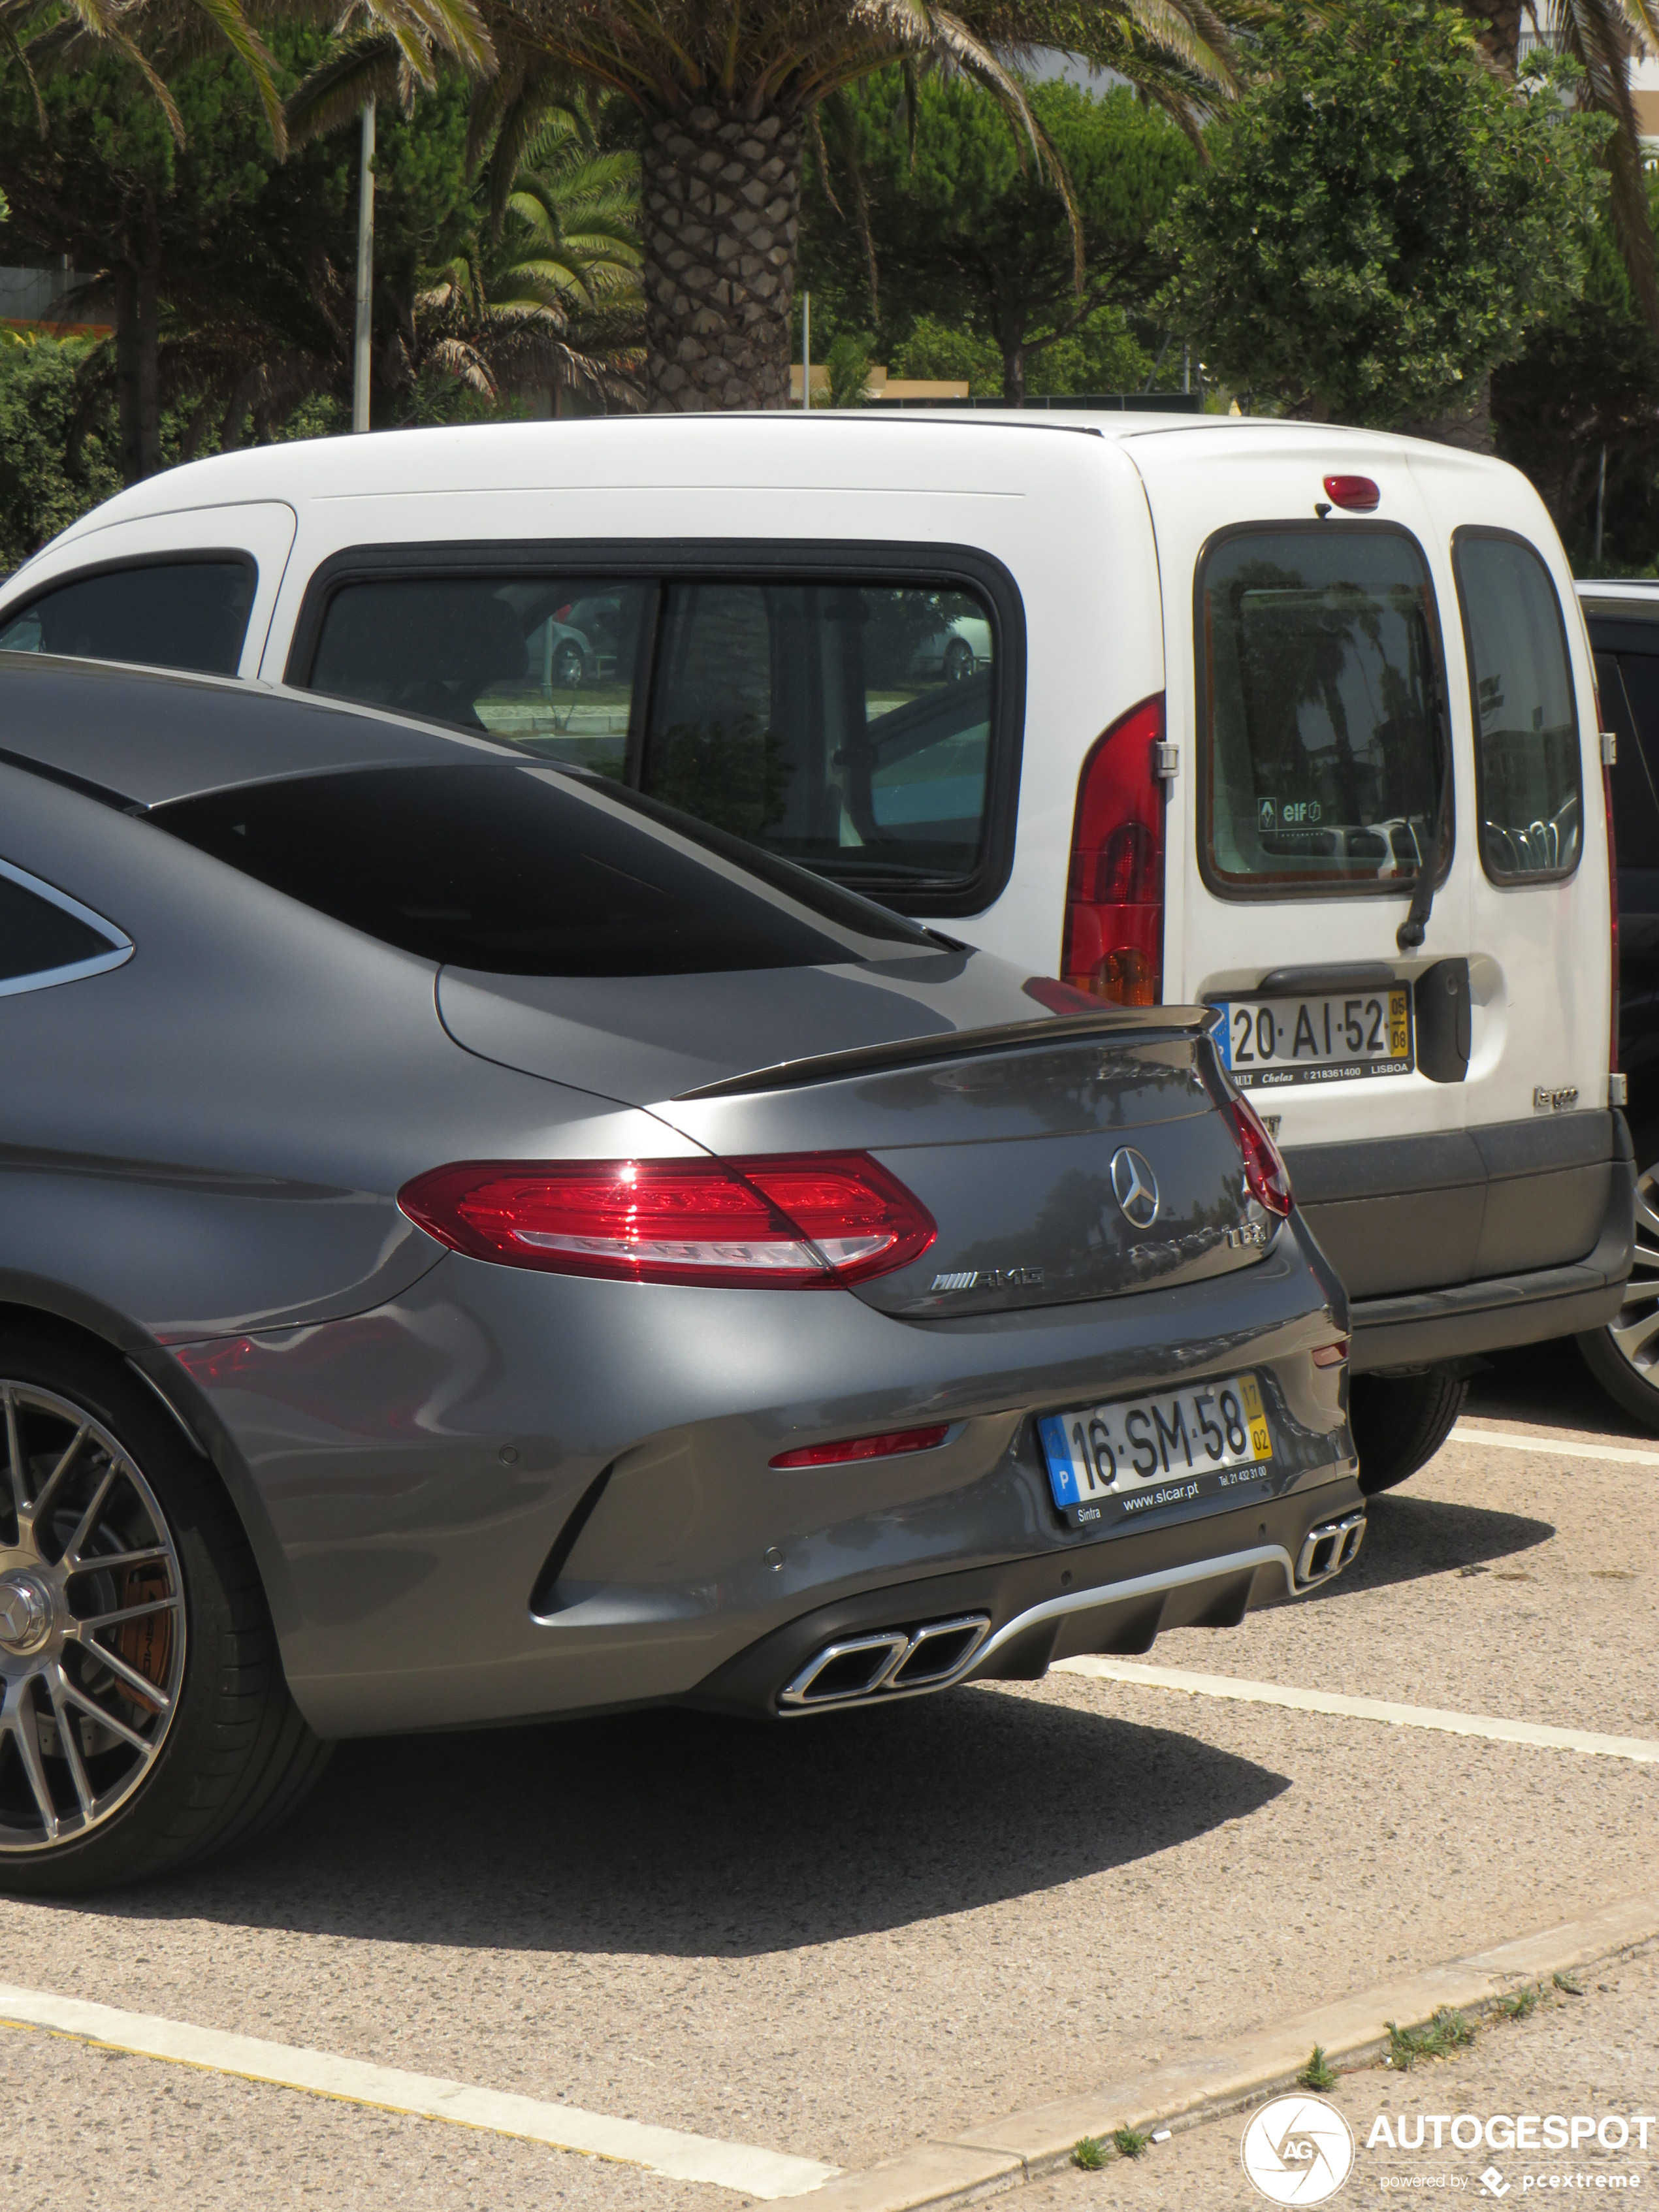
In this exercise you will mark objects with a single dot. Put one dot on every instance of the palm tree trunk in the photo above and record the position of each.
(137, 335)
(1496, 24)
(721, 207)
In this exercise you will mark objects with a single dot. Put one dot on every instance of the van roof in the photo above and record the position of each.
(764, 448)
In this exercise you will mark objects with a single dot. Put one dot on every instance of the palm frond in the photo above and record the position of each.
(256, 58)
(335, 93)
(1599, 35)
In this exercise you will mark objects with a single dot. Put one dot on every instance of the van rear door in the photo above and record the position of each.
(1340, 611)
(1307, 689)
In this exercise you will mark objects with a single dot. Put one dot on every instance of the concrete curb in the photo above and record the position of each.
(1002, 2153)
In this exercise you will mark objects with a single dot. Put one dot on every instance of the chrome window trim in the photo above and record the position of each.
(43, 979)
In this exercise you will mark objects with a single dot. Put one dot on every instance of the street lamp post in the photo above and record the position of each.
(365, 270)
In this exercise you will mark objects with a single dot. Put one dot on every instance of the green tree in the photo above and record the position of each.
(48, 475)
(1588, 383)
(102, 99)
(957, 223)
(1599, 36)
(1383, 221)
(729, 92)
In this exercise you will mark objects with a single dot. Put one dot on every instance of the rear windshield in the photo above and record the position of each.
(1526, 730)
(847, 726)
(1318, 665)
(525, 871)
(158, 614)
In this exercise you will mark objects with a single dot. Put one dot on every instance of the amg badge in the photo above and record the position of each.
(990, 1278)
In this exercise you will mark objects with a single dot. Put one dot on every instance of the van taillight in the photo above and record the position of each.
(1113, 946)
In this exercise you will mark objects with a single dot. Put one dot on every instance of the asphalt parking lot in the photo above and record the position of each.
(833, 1939)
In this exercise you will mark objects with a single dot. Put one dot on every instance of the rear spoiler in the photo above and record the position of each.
(963, 1044)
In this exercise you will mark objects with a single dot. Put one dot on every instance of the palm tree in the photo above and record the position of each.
(727, 93)
(155, 41)
(1600, 36)
(547, 294)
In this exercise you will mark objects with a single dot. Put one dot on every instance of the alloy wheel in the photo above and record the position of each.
(92, 1622)
(1635, 1335)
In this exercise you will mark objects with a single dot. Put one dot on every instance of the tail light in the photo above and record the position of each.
(1359, 495)
(1266, 1176)
(853, 1448)
(1113, 946)
(807, 1221)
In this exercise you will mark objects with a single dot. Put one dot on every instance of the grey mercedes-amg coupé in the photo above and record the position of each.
(475, 1244)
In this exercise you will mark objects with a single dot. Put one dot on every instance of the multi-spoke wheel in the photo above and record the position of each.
(92, 1622)
(1624, 1357)
(144, 1716)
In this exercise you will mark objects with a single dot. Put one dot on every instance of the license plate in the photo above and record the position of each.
(1269, 1043)
(1118, 1462)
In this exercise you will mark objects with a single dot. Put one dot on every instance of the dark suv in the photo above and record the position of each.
(1623, 619)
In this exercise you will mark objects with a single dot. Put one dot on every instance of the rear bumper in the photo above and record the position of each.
(1117, 1596)
(1419, 1229)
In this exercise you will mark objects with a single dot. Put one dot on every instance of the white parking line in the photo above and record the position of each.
(765, 2173)
(1464, 1432)
(1361, 1709)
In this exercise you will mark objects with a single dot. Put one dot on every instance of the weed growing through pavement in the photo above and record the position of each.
(1128, 2143)
(1519, 2007)
(1446, 2032)
(1568, 1986)
(1090, 2152)
(1317, 2074)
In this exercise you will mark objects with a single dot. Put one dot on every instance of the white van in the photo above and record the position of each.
(1297, 721)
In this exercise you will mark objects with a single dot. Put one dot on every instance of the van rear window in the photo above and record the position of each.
(1526, 781)
(1319, 672)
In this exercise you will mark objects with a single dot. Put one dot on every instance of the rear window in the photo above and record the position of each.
(846, 725)
(162, 613)
(1527, 779)
(526, 870)
(1318, 654)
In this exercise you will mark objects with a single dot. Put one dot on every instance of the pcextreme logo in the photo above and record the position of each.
(1297, 2150)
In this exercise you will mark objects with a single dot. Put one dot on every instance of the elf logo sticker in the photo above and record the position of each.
(1288, 813)
(1297, 2150)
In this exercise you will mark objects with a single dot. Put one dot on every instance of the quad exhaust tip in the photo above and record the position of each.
(1328, 1548)
(890, 1661)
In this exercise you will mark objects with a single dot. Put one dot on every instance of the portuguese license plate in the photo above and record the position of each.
(1269, 1043)
(1115, 1462)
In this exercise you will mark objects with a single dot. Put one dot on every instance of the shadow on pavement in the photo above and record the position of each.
(686, 1835)
(1408, 1537)
(1548, 1383)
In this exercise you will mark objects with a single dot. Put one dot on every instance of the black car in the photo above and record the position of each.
(1623, 619)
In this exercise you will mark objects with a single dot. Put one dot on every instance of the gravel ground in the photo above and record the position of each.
(1596, 2054)
(835, 1938)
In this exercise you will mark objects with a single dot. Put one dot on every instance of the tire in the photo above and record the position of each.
(568, 669)
(129, 1746)
(1400, 1421)
(1624, 1357)
(958, 660)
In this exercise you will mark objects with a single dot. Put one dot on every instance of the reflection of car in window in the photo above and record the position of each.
(961, 649)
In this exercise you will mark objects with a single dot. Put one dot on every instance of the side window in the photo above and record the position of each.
(1528, 791)
(46, 938)
(160, 614)
(548, 662)
(845, 724)
(1635, 807)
